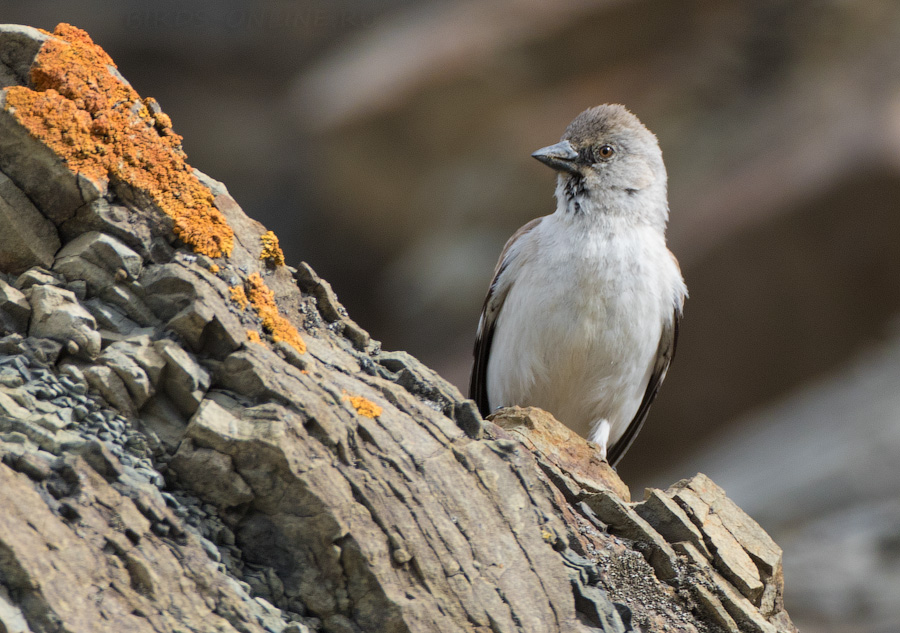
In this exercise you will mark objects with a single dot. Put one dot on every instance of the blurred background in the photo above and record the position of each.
(387, 143)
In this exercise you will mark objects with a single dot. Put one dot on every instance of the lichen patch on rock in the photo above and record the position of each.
(271, 251)
(80, 108)
(263, 301)
(364, 406)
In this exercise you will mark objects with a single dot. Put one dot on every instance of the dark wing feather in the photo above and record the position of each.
(665, 354)
(493, 302)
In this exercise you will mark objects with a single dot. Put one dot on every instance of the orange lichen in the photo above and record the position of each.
(214, 268)
(253, 337)
(271, 251)
(364, 406)
(239, 296)
(101, 128)
(263, 301)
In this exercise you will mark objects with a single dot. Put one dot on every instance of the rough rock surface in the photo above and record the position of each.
(195, 436)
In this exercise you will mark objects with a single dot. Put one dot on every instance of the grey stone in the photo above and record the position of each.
(190, 323)
(57, 315)
(38, 276)
(47, 440)
(135, 379)
(107, 382)
(18, 47)
(669, 519)
(79, 288)
(712, 607)
(741, 610)
(110, 318)
(132, 226)
(127, 301)
(50, 421)
(625, 522)
(164, 420)
(12, 409)
(9, 377)
(759, 545)
(142, 350)
(102, 460)
(14, 308)
(192, 302)
(97, 259)
(214, 426)
(33, 465)
(211, 475)
(184, 380)
(728, 556)
(28, 238)
(747, 617)
(75, 375)
(329, 306)
(170, 288)
(291, 355)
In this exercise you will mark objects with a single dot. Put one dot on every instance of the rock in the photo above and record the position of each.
(669, 519)
(564, 449)
(211, 474)
(185, 381)
(329, 306)
(625, 522)
(138, 230)
(728, 555)
(128, 302)
(101, 460)
(31, 464)
(137, 364)
(326, 300)
(28, 238)
(759, 545)
(113, 547)
(18, 46)
(110, 318)
(165, 421)
(57, 315)
(97, 258)
(37, 275)
(711, 605)
(14, 309)
(108, 383)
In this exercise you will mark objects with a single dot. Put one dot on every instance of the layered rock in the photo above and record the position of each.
(196, 436)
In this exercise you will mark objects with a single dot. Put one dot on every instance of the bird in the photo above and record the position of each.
(581, 318)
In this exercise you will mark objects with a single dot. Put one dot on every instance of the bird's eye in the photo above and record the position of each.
(604, 152)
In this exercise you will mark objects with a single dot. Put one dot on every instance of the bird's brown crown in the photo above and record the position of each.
(601, 121)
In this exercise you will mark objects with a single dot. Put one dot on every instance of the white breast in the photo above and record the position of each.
(579, 330)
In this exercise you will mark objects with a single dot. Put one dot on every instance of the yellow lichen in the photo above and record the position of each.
(263, 301)
(271, 251)
(253, 337)
(239, 296)
(364, 406)
(214, 268)
(101, 128)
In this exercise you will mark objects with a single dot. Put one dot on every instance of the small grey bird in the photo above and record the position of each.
(582, 315)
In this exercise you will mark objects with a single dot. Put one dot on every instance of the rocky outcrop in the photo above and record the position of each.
(195, 436)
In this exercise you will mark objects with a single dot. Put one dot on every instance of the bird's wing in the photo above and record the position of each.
(664, 355)
(493, 302)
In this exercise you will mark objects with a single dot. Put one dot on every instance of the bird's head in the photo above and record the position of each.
(608, 162)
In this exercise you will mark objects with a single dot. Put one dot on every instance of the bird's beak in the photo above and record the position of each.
(560, 157)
